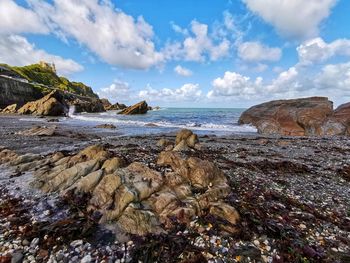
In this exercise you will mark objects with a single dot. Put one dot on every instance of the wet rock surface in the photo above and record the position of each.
(292, 195)
(138, 108)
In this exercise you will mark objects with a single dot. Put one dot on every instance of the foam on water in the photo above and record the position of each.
(221, 121)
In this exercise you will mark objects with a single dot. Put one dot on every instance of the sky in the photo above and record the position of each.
(186, 53)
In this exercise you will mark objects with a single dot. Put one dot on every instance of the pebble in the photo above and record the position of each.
(76, 243)
(34, 242)
(86, 259)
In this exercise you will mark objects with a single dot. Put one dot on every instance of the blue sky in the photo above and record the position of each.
(187, 53)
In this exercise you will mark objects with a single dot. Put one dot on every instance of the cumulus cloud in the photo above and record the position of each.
(16, 50)
(183, 71)
(198, 45)
(118, 91)
(114, 36)
(334, 78)
(188, 92)
(233, 84)
(317, 50)
(297, 19)
(255, 52)
(16, 19)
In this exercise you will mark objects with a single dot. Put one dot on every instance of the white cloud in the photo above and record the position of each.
(179, 29)
(16, 19)
(183, 71)
(255, 52)
(119, 91)
(198, 46)
(317, 50)
(334, 78)
(293, 18)
(16, 50)
(114, 36)
(233, 84)
(188, 92)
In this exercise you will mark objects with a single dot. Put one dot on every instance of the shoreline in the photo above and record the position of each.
(290, 193)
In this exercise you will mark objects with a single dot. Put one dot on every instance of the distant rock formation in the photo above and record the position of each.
(13, 91)
(138, 108)
(106, 104)
(52, 104)
(87, 105)
(312, 116)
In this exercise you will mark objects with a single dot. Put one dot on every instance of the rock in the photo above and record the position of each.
(52, 104)
(181, 146)
(297, 117)
(192, 140)
(89, 105)
(183, 134)
(11, 109)
(76, 243)
(86, 259)
(106, 126)
(17, 257)
(53, 120)
(117, 106)
(39, 131)
(106, 104)
(163, 143)
(138, 199)
(34, 242)
(139, 108)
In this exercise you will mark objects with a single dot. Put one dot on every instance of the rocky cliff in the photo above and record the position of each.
(16, 92)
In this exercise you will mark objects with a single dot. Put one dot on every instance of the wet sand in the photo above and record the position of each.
(293, 195)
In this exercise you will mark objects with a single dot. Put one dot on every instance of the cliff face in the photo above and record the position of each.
(12, 91)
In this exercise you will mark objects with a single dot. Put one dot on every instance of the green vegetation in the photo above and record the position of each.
(39, 76)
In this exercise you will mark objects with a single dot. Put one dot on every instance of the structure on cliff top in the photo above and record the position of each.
(46, 65)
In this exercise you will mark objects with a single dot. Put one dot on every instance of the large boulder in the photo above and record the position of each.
(138, 108)
(53, 104)
(106, 104)
(296, 117)
(89, 105)
(117, 106)
(136, 198)
(11, 109)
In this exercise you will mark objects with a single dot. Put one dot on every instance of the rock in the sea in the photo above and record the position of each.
(106, 126)
(297, 117)
(53, 104)
(39, 131)
(138, 199)
(106, 104)
(90, 105)
(139, 108)
(117, 106)
(11, 109)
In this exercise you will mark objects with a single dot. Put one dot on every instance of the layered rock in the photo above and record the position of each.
(87, 105)
(117, 106)
(297, 117)
(52, 104)
(106, 104)
(138, 199)
(138, 108)
(17, 92)
(11, 109)
(185, 140)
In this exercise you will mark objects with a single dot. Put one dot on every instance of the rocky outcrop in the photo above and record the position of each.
(52, 104)
(87, 105)
(138, 199)
(13, 91)
(297, 117)
(185, 141)
(106, 104)
(106, 126)
(11, 109)
(117, 106)
(138, 108)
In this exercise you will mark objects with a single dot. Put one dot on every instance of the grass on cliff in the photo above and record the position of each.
(37, 74)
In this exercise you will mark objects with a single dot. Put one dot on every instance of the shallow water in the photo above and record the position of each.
(203, 121)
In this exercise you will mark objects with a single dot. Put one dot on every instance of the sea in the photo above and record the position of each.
(166, 120)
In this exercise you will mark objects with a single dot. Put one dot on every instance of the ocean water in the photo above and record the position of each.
(164, 120)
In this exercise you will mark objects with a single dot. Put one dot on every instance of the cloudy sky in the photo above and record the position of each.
(186, 53)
